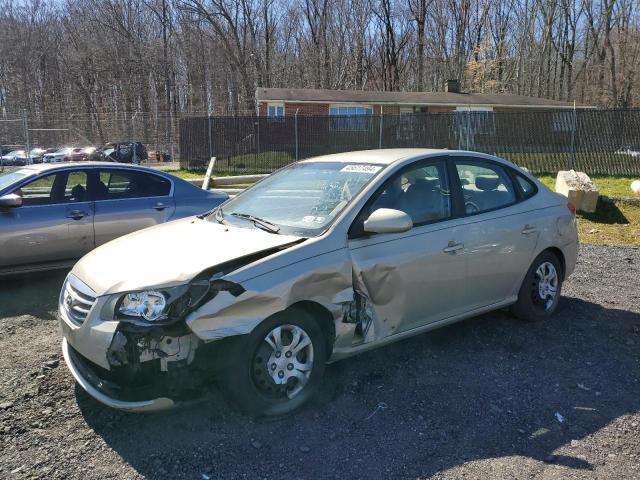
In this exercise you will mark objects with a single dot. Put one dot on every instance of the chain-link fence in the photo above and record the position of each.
(594, 141)
(158, 131)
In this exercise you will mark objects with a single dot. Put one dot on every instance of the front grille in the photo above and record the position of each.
(77, 300)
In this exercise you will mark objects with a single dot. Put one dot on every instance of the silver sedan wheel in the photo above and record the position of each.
(547, 279)
(290, 361)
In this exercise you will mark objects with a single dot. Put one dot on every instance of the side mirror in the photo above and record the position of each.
(10, 200)
(388, 220)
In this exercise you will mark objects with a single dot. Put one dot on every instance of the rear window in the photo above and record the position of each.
(123, 184)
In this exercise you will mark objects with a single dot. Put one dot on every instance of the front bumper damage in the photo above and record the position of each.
(130, 367)
(99, 389)
(147, 370)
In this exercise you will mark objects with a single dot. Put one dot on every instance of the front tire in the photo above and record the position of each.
(277, 367)
(539, 294)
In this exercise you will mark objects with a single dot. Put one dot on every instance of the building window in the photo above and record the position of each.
(407, 124)
(479, 120)
(350, 118)
(562, 121)
(275, 112)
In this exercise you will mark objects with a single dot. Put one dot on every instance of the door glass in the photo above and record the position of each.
(38, 192)
(121, 184)
(63, 187)
(485, 187)
(75, 189)
(421, 192)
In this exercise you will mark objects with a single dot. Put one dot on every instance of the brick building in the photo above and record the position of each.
(285, 102)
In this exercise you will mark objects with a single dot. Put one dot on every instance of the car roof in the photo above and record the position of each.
(379, 157)
(45, 167)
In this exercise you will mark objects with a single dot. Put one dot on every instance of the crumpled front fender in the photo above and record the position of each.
(325, 279)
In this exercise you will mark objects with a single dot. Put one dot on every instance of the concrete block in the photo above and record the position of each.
(579, 189)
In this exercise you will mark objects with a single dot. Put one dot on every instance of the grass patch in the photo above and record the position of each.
(612, 224)
(609, 185)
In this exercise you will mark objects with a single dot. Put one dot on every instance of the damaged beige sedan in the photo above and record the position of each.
(323, 259)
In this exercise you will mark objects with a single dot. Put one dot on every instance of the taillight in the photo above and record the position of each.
(571, 207)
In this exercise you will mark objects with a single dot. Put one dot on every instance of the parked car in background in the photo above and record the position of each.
(37, 154)
(52, 214)
(81, 154)
(61, 155)
(14, 158)
(159, 156)
(629, 150)
(4, 149)
(323, 259)
(124, 152)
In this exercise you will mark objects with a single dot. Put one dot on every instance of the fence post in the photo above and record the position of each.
(573, 139)
(380, 133)
(295, 126)
(210, 135)
(25, 123)
(207, 177)
(468, 125)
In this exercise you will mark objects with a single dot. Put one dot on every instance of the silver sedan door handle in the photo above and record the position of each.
(529, 229)
(76, 214)
(453, 247)
(160, 206)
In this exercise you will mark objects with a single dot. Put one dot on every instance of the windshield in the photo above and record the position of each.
(16, 153)
(7, 179)
(302, 199)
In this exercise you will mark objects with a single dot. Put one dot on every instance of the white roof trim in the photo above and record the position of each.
(440, 104)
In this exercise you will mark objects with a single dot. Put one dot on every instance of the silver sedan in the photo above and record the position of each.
(51, 215)
(323, 259)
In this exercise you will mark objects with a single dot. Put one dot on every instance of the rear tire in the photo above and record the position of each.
(277, 367)
(539, 294)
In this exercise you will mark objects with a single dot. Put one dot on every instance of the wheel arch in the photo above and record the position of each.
(321, 315)
(560, 256)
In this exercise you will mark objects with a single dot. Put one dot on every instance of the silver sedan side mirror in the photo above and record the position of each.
(10, 200)
(388, 220)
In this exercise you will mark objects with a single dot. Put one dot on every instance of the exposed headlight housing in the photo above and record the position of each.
(149, 304)
(164, 306)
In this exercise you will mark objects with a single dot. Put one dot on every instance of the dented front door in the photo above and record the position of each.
(408, 278)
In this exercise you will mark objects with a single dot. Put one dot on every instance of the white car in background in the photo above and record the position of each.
(62, 155)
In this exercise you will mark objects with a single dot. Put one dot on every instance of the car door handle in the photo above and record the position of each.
(159, 206)
(76, 214)
(529, 229)
(453, 247)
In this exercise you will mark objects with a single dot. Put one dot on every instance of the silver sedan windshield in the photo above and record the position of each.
(304, 198)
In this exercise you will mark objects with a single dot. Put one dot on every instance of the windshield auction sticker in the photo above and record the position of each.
(361, 168)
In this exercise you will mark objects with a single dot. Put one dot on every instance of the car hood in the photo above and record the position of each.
(170, 254)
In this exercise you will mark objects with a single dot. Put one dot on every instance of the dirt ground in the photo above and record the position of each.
(488, 397)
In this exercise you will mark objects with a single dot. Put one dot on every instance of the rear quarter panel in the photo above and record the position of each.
(556, 228)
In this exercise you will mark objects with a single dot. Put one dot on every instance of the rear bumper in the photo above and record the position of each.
(96, 387)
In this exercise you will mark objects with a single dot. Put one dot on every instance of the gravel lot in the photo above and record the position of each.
(489, 397)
